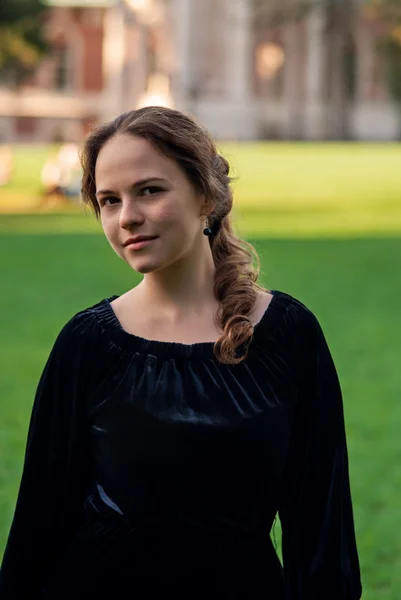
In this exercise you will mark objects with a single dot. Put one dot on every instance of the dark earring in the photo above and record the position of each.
(207, 230)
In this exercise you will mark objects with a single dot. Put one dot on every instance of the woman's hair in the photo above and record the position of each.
(180, 138)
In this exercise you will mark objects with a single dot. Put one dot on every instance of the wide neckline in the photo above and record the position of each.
(133, 342)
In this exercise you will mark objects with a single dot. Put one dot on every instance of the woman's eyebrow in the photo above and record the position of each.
(134, 185)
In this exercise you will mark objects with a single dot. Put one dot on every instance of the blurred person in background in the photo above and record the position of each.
(71, 173)
(61, 176)
(173, 422)
(50, 176)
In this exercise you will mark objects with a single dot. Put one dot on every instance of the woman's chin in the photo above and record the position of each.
(144, 266)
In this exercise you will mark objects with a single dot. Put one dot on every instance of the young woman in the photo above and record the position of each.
(172, 423)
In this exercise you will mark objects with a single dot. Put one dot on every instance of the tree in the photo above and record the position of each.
(21, 39)
(386, 15)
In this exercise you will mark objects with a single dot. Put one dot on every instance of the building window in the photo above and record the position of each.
(63, 79)
(26, 125)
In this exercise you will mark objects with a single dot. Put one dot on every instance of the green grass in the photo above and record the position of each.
(348, 274)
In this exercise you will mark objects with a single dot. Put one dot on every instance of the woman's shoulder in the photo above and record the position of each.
(302, 323)
(83, 326)
(292, 305)
(81, 347)
(290, 313)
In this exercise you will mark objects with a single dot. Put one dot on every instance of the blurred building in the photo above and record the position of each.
(241, 75)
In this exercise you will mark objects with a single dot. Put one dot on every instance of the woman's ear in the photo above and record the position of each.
(207, 206)
(204, 207)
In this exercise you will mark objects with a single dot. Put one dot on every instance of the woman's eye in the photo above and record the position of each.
(153, 189)
(109, 200)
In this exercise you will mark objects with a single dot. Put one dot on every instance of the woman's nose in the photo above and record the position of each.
(129, 214)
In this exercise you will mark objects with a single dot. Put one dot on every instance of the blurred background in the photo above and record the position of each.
(304, 100)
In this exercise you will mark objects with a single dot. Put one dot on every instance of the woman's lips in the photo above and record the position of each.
(140, 244)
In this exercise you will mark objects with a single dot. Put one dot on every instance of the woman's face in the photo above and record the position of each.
(141, 192)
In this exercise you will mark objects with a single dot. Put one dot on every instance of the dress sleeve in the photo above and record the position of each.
(319, 549)
(50, 501)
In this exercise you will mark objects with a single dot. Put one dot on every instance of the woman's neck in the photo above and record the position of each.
(185, 287)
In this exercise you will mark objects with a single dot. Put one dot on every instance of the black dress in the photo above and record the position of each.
(150, 468)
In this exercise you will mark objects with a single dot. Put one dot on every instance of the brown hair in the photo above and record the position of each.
(182, 139)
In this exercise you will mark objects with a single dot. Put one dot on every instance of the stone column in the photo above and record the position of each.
(136, 67)
(180, 14)
(113, 60)
(239, 50)
(315, 126)
(293, 111)
(238, 114)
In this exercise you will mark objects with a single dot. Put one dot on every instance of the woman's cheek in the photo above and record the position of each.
(111, 231)
(166, 215)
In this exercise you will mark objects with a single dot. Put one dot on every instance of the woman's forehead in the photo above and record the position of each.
(134, 155)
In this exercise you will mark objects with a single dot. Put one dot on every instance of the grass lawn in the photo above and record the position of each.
(282, 189)
(342, 258)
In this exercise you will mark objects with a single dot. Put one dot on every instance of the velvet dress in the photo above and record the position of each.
(151, 468)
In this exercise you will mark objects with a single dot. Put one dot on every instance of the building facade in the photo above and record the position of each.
(244, 74)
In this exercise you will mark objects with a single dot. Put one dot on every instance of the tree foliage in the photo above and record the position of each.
(386, 14)
(273, 13)
(21, 39)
